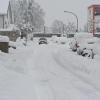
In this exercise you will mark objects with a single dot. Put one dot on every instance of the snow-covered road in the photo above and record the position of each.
(45, 73)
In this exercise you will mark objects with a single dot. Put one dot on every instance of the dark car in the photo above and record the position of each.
(43, 41)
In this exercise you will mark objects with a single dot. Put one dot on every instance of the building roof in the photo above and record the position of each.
(94, 5)
(3, 14)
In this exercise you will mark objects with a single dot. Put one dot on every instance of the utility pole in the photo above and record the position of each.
(44, 30)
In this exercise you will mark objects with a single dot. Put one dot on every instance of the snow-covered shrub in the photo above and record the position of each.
(73, 45)
(54, 39)
(89, 53)
(62, 40)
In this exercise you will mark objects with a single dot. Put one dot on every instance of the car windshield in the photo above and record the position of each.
(42, 39)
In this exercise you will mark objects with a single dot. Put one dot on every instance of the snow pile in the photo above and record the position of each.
(62, 40)
(20, 42)
(54, 39)
(4, 39)
(96, 49)
(59, 40)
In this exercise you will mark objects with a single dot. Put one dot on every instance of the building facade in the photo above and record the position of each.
(3, 21)
(94, 19)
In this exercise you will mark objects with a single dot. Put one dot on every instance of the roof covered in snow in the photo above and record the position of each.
(4, 38)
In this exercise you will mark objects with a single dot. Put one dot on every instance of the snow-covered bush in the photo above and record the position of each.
(73, 45)
(54, 39)
(62, 40)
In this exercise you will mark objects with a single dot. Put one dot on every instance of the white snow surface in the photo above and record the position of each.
(4, 38)
(48, 72)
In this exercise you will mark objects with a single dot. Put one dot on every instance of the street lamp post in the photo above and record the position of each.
(75, 17)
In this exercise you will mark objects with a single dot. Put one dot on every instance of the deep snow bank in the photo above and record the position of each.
(86, 69)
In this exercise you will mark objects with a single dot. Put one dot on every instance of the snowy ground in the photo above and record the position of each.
(48, 72)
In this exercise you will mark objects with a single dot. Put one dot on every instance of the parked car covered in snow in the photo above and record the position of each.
(43, 41)
(88, 52)
(83, 43)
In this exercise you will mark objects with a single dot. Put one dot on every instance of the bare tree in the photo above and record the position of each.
(28, 11)
(58, 26)
(86, 27)
(70, 27)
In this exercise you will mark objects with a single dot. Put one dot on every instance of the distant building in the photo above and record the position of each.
(7, 27)
(7, 18)
(94, 19)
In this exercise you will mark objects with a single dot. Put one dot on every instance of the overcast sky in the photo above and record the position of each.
(54, 9)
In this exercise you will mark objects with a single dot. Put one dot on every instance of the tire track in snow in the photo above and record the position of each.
(44, 91)
(70, 69)
(42, 86)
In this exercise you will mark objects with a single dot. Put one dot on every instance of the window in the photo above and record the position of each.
(97, 11)
(98, 29)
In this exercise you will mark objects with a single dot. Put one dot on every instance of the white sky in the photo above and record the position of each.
(54, 9)
(3, 6)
